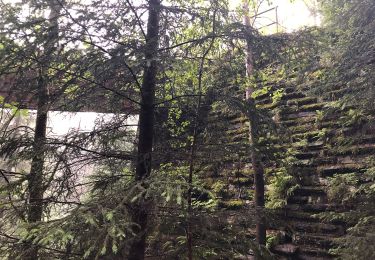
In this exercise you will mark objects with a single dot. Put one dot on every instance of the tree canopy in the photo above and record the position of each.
(232, 125)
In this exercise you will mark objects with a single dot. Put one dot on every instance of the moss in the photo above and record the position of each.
(302, 101)
(242, 173)
(312, 107)
(232, 204)
(240, 119)
(247, 172)
(241, 137)
(268, 139)
(350, 149)
(311, 136)
(267, 106)
(242, 181)
(238, 131)
(293, 95)
(300, 128)
(221, 189)
(330, 124)
(250, 194)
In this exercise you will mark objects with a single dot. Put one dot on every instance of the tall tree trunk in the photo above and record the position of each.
(258, 169)
(146, 126)
(35, 179)
(254, 137)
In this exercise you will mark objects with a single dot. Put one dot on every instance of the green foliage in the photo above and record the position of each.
(281, 187)
(357, 191)
(283, 182)
(13, 108)
(341, 187)
(220, 188)
(232, 204)
(201, 80)
(277, 95)
(354, 117)
(272, 240)
(351, 25)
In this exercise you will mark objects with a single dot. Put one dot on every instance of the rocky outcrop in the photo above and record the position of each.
(323, 145)
(315, 136)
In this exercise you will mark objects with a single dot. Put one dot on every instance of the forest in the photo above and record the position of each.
(211, 135)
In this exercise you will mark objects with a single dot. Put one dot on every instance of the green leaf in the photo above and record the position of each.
(114, 247)
(103, 250)
(109, 215)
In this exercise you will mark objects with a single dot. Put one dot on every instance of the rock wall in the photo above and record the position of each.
(325, 143)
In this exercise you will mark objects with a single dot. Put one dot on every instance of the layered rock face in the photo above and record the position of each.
(324, 144)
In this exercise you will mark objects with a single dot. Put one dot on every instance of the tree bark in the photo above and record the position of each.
(146, 126)
(254, 137)
(258, 169)
(35, 179)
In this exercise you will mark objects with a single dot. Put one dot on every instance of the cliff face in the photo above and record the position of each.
(326, 140)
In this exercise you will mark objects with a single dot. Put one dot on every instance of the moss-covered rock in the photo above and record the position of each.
(232, 204)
